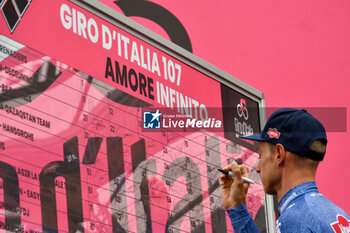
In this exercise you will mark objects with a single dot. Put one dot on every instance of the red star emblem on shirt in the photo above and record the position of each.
(342, 225)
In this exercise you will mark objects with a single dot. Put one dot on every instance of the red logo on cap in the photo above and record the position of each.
(342, 225)
(273, 133)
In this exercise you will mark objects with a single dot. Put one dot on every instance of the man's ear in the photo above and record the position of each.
(280, 154)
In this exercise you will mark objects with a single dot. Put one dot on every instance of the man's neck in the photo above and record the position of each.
(290, 181)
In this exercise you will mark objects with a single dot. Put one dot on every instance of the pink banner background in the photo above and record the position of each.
(177, 168)
(295, 52)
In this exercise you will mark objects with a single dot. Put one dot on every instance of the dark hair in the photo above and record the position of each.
(318, 147)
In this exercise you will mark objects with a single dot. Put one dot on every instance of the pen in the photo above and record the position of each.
(231, 174)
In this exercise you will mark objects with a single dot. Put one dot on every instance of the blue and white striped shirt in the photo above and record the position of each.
(303, 209)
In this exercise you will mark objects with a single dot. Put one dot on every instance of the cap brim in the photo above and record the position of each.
(254, 137)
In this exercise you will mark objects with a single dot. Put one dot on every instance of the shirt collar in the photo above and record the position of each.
(295, 192)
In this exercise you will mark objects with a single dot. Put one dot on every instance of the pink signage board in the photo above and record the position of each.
(102, 131)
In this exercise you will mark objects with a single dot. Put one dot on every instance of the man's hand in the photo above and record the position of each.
(234, 189)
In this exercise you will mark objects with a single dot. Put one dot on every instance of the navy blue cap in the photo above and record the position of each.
(295, 129)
